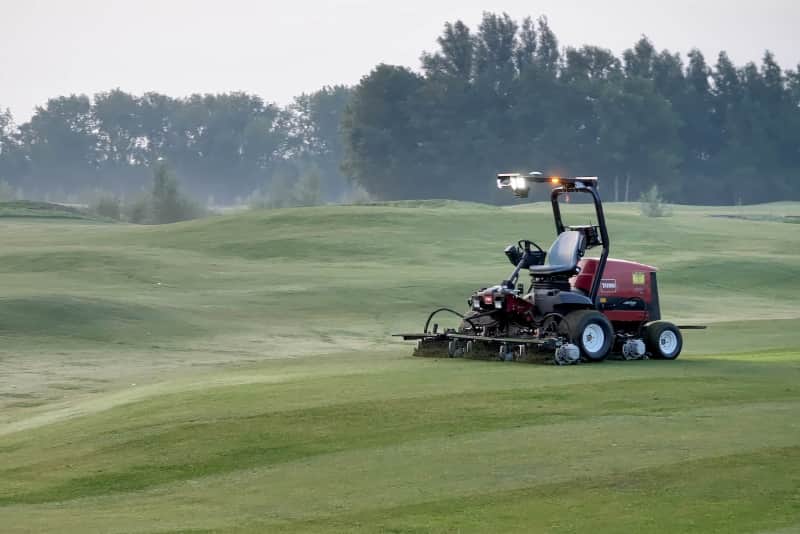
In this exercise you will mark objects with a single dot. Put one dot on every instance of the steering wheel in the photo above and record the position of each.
(525, 245)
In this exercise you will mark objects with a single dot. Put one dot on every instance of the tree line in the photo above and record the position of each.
(505, 96)
(508, 97)
(225, 146)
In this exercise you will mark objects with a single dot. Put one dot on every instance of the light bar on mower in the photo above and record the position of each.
(520, 183)
(517, 182)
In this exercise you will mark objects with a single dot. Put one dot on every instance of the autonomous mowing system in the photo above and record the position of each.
(575, 309)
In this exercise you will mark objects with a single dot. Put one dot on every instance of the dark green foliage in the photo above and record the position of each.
(168, 205)
(304, 189)
(7, 192)
(6, 130)
(307, 189)
(137, 211)
(107, 206)
(382, 136)
(505, 98)
(222, 145)
(316, 141)
(652, 205)
(164, 203)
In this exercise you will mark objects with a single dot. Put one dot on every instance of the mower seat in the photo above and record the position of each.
(563, 256)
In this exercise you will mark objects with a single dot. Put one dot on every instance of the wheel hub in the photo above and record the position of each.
(668, 342)
(593, 338)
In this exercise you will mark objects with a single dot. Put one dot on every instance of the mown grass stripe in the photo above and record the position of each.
(131, 456)
(694, 496)
(429, 470)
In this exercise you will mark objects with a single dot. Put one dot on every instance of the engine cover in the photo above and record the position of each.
(628, 290)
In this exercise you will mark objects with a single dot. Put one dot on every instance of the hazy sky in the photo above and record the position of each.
(278, 49)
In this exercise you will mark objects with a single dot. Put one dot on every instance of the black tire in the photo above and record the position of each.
(575, 326)
(663, 340)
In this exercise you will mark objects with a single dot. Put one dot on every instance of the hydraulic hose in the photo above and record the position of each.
(434, 312)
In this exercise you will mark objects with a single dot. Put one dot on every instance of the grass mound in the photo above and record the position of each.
(42, 210)
(236, 374)
(90, 319)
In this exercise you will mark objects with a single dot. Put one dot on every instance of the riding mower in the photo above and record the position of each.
(575, 309)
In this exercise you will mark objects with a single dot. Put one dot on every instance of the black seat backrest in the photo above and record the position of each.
(563, 256)
(566, 250)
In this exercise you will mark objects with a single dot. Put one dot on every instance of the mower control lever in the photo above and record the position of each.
(522, 257)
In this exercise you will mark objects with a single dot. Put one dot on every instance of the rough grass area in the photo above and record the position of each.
(237, 374)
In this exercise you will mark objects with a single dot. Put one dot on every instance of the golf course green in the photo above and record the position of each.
(237, 373)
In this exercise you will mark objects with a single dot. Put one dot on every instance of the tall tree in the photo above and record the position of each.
(494, 53)
(118, 118)
(317, 135)
(6, 129)
(639, 136)
(525, 53)
(62, 143)
(10, 157)
(455, 55)
(639, 60)
(697, 109)
(381, 134)
(6, 123)
(590, 64)
(157, 112)
(547, 53)
(668, 76)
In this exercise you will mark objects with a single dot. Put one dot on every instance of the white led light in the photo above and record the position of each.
(518, 183)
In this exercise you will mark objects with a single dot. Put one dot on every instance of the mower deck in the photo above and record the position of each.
(469, 337)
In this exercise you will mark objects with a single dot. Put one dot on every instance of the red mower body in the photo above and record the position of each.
(628, 291)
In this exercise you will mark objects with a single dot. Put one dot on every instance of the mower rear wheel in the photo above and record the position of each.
(591, 331)
(663, 339)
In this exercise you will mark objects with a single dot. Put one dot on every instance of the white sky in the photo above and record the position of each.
(278, 49)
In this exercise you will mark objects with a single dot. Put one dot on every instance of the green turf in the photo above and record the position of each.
(236, 374)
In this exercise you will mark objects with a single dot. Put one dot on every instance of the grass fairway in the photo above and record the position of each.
(237, 374)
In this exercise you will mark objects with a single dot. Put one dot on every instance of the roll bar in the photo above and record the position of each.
(520, 185)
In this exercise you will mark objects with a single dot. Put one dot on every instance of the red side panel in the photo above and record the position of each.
(621, 279)
(626, 316)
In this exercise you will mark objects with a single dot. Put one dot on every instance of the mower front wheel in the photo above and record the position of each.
(591, 331)
(663, 339)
